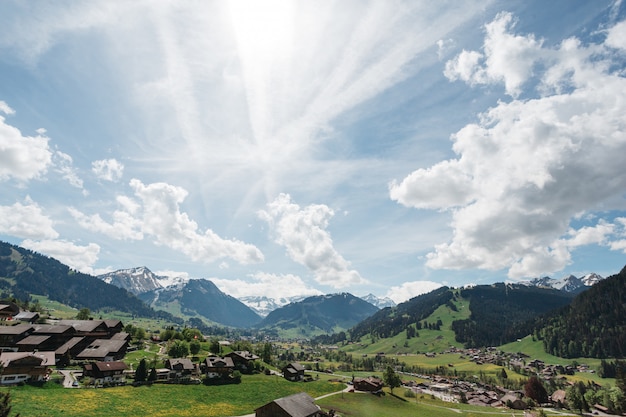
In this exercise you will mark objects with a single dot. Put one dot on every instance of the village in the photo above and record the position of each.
(31, 351)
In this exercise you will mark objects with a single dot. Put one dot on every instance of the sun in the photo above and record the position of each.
(263, 29)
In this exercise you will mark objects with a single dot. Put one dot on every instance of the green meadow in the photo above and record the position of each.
(161, 400)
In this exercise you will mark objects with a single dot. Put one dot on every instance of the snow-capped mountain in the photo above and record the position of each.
(263, 305)
(140, 280)
(380, 302)
(569, 283)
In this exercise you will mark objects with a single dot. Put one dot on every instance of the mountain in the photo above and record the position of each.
(135, 280)
(319, 314)
(24, 272)
(380, 302)
(570, 284)
(263, 305)
(602, 310)
(202, 297)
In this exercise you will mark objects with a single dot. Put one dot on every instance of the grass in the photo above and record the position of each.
(428, 340)
(368, 405)
(162, 400)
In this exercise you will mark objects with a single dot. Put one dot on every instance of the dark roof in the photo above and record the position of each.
(121, 336)
(69, 345)
(110, 366)
(296, 366)
(243, 354)
(33, 340)
(217, 362)
(298, 405)
(27, 315)
(84, 325)
(101, 348)
(15, 330)
(113, 323)
(186, 363)
(53, 329)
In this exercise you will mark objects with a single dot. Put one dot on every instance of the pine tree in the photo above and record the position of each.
(142, 371)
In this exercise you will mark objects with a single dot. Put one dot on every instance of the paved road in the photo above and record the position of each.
(68, 378)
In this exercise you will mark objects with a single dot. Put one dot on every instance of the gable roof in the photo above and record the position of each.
(69, 345)
(53, 329)
(243, 354)
(85, 326)
(43, 358)
(298, 405)
(185, 363)
(217, 362)
(295, 366)
(110, 366)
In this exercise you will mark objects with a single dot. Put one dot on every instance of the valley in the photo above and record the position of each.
(473, 347)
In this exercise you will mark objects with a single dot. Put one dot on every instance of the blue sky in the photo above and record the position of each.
(292, 148)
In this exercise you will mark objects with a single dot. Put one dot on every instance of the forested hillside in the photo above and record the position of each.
(23, 272)
(593, 325)
(390, 321)
(501, 313)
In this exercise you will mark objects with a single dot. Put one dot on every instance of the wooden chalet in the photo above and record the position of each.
(181, 369)
(369, 384)
(297, 405)
(10, 335)
(25, 366)
(27, 316)
(8, 311)
(217, 367)
(95, 329)
(293, 372)
(35, 343)
(102, 373)
(242, 359)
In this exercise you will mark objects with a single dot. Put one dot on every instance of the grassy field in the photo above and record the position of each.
(161, 400)
(367, 405)
(428, 340)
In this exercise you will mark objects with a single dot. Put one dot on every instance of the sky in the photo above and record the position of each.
(287, 148)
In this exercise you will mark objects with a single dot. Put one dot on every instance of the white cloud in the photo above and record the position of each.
(408, 290)
(508, 58)
(157, 214)
(80, 258)
(616, 36)
(64, 165)
(21, 157)
(302, 232)
(4, 108)
(528, 166)
(163, 219)
(108, 169)
(26, 221)
(266, 284)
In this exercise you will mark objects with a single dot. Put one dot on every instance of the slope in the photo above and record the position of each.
(202, 296)
(318, 314)
(23, 272)
(602, 310)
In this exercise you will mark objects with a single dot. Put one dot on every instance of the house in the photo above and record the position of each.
(369, 384)
(110, 373)
(95, 329)
(10, 335)
(104, 350)
(513, 401)
(297, 405)
(242, 359)
(114, 326)
(181, 369)
(34, 342)
(58, 333)
(293, 372)
(216, 367)
(27, 316)
(70, 349)
(25, 366)
(559, 397)
(8, 311)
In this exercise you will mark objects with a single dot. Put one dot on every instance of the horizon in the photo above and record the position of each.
(280, 148)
